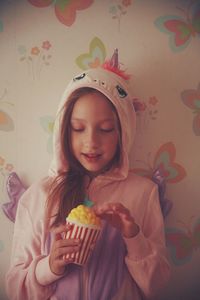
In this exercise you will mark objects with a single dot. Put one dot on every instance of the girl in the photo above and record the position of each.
(93, 134)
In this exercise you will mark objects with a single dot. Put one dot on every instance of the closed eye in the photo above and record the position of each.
(77, 129)
(107, 129)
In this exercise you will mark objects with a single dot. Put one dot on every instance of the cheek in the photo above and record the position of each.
(113, 142)
(74, 142)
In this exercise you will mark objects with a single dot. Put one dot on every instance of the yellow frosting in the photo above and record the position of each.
(85, 215)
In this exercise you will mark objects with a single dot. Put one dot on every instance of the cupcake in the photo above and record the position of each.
(86, 227)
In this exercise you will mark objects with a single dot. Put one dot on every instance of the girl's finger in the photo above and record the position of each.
(122, 211)
(58, 231)
(118, 207)
(64, 261)
(60, 252)
(103, 208)
(63, 243)
(68, 260)
(110, 208)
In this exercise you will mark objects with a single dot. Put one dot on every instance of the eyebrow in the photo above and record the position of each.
(103, 120)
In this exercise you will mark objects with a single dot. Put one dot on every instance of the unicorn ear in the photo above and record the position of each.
(114, 66)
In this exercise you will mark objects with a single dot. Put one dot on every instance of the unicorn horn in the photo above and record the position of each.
(114, 63)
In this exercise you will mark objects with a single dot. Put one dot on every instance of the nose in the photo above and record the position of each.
(91, 139)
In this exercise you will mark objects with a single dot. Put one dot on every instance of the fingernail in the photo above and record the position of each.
(77, 241)
(71, 259)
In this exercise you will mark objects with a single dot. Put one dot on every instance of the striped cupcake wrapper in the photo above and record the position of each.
(88, 236)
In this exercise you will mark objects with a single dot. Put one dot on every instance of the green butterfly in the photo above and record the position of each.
(47, 123)
(95, 57)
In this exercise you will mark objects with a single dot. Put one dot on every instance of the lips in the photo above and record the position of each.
(91, 154)
(91, 157)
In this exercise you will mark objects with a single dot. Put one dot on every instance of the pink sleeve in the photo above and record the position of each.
(146, 258)
(21, 280)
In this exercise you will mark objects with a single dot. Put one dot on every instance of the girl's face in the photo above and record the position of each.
(94, 132)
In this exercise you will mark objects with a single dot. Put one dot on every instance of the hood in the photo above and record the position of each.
(116, 89)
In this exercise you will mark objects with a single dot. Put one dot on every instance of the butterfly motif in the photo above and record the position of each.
(47, 123)
(15, 189)
(164, 160)
(191, 98)
(65, 10)
(165, 204)
(180, 30)
(6, 122)
(95, 57)
(183, 242)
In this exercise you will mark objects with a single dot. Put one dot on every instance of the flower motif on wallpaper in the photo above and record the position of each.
(146, 111)
(118, 9)
(180, 29)
(5, 168)
(36, 58)
(148, 106)
(163, 160)
(191, 98)
(6, 122)
(95, 57)
(47, 123)
(182, 242)
(65, 10)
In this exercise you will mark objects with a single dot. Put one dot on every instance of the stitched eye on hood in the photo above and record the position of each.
(79, 77)
(121, 91)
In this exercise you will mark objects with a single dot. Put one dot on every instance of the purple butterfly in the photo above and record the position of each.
(159, 179)
(15, 189)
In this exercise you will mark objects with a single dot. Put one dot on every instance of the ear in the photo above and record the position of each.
(15, 189)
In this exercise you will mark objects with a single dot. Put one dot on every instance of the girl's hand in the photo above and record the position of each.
(118, 216)
(60, 248)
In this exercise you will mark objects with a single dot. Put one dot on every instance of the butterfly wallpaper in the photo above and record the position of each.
(163, 169)
(65, 10)
(183, 28)
(44, 43)
(95, 57)
(191, 98)
(6, 120)
(164, 159)
(47, 123)
(183, 241)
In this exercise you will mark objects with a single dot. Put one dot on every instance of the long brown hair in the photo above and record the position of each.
(67, 189)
